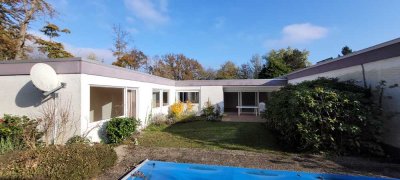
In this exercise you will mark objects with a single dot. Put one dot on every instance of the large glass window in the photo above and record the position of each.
(189, 96)
(165, 99)
(156, 99)
(263, 97)
(106, 103)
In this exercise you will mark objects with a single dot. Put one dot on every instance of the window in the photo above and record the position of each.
(155, 100)
(189, 96)
(263, 97)
(165, 99)
(106, 103)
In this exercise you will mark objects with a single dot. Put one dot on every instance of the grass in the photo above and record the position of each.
(210, 135)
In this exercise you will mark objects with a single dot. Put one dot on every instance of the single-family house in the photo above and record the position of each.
(96, 92)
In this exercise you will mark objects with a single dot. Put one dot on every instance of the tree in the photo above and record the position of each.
(8, 33)
(273, 69)
(245, 72)
(228, 70)
(22, 12)
(120, 41)
(135, 59)
(178, 67)
(52, 31)
(256, 65)
(346, 50)
(283, 61)
(209, 74)
(51, 48)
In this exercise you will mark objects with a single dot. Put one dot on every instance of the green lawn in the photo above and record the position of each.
(210, 135)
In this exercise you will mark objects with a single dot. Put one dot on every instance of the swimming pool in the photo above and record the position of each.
(149, 169)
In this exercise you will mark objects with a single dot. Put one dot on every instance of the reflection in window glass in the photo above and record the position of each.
(165, 98)
(155, 100)
(106, 103)
(189, 96)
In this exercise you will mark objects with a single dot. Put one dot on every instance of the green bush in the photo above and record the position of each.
(77, 140)
(325, 115)
(76, 161)
(20, 130)
(7, 144)
(118, 129)
(210, 112)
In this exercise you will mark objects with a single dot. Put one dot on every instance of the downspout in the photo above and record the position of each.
(363, 73)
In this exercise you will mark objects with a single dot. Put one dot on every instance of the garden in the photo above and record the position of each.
(319, 126)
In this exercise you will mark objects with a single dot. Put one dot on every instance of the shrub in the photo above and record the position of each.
(77, 140)
(189, 106)
(20, 130)
(76, 161)
(7, 144)
(118, 129)
(161, 119)
(177, 110)
(325, 115)
(210, 112)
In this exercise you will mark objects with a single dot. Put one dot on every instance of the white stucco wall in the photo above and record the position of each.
(213, 93)
(388, 70)
(144, 99)
(18, 96)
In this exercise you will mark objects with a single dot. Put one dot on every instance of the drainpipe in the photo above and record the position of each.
(363, 73)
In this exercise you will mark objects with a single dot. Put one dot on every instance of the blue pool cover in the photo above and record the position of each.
(149, 169)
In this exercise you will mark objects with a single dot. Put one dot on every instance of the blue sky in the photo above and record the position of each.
(215, 31)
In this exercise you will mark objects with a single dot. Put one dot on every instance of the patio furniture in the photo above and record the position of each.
(261, 107)
(247, 107)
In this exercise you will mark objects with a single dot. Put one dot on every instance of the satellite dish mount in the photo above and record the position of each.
(45, 78)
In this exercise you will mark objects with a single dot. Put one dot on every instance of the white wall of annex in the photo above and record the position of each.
(144, 98)
(18, 96)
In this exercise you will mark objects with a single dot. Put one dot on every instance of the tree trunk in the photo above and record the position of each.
(23, 27)
(21, 41)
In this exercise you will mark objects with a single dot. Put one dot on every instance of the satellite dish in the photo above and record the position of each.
(45, 78)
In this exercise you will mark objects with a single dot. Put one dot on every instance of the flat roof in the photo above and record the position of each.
(233, 82)
(378, 52)
(80, 66)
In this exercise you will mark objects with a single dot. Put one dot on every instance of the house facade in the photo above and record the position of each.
(97, 92)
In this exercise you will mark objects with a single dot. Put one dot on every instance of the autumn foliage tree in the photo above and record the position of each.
(228, 70)
(15, 18)
(51, 48)
(178, 67)
(21, 13)
(135, 59)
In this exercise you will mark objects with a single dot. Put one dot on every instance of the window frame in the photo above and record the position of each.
(124, 90)
(124, 100)
(163, 98)
(178, 97)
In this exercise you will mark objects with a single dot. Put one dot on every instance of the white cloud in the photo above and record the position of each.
(298, 34)
(103, 55)
(149, 11)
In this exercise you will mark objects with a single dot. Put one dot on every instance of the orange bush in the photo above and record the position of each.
(189, 106)
(177, 109)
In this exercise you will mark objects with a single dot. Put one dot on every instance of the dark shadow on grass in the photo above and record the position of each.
(226, 135)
